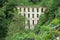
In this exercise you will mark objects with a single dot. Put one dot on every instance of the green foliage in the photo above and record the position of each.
(3, 25)
(14, 23)
(58, 13)
(2, 2)
(34, 1)
(7, 13)
(41, 21)
(47, 33)
(56, 21)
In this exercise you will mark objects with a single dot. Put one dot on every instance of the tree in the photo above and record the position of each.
(58, 13)
(6, 14)
(2, 2)
(34, 1)
(3, 25)
(52, 12)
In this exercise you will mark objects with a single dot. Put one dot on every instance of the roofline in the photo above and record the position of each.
(31, 6)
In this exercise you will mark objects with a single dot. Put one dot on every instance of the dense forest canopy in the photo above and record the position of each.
(12, 24)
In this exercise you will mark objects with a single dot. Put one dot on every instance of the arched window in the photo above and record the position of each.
(33, 22)
(32, 15)
(32, 9)
(28, 10)
(41, 9)
(37, 15)
(37, 10)
(28, 15)
(20, 9)
(24, 9)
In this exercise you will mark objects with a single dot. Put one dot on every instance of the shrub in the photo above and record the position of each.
(34, 1)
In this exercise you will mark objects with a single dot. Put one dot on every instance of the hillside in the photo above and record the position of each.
(12, 24)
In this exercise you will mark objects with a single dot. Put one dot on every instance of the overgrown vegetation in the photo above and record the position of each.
(12, 24)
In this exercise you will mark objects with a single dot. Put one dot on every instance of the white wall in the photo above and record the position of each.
(22, 12)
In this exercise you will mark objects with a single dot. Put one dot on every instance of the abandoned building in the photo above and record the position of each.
(31, 14)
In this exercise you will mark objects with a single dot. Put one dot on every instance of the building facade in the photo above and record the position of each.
(31, 14)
